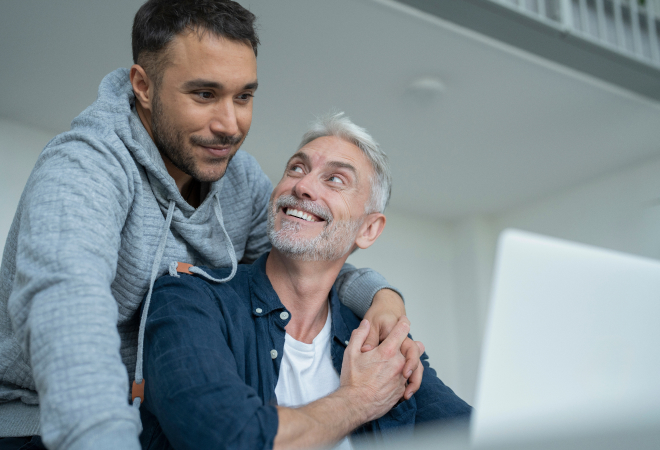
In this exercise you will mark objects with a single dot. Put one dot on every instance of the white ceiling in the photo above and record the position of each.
(508, 128)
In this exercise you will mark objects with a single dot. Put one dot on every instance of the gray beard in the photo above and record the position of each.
(335, 241)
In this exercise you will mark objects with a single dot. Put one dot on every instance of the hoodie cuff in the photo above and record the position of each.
(358, 290)
(119, 435)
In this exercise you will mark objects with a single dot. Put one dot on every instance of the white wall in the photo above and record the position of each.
(620, 211)
(20, 145)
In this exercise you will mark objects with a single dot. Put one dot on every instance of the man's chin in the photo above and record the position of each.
(213, 174)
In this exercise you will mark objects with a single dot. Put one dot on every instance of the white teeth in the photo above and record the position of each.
(299, 214)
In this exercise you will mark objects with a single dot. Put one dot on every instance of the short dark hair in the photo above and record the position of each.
(157, 22)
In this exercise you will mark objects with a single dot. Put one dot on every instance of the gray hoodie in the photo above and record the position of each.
(98, 221)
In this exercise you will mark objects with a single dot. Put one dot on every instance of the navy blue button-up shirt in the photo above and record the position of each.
(210, 369)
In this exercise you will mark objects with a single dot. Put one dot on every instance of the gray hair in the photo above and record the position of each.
(339, 125)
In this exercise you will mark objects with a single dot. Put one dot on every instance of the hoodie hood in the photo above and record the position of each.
(115, 108)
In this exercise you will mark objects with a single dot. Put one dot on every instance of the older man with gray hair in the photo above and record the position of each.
(272, 358)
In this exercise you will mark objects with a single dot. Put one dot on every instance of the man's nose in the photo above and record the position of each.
(224, 119)
(306, 187)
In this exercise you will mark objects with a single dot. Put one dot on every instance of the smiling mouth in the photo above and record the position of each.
(218, 152)
(301, 215)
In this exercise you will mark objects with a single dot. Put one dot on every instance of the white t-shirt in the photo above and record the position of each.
(307, 373)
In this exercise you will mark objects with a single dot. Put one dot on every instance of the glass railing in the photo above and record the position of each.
(630, 27)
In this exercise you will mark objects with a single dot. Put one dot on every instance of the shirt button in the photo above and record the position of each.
(346, 342)
(258, 310)
(284, 315)
(273, 354)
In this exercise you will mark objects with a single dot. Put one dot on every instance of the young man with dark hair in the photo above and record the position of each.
(271, 359)
(142, 179)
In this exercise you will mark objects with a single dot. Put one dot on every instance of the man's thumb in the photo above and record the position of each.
(372, 340)
(360, 334)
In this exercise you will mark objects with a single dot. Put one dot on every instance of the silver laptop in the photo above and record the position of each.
(572, 343)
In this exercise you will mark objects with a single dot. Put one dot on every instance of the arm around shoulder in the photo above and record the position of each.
(357, 288)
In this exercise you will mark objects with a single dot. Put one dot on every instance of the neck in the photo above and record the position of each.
(184, 182)
(303, 288)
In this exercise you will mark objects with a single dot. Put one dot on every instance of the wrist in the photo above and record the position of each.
(356, 408)
(389, 300)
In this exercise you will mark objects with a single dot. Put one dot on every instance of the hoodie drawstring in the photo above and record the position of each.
(138, 386)
(230, 249)
(143, 320)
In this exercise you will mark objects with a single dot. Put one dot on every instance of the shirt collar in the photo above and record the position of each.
(264, 299)
(339, 329)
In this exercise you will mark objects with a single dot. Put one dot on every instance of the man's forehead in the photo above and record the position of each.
(330, 149)
(213, 58)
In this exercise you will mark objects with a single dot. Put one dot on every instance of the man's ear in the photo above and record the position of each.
(142, 86)
(373, 225)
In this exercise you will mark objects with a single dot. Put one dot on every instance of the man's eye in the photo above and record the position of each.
(334, 179)
(245, 96)
(296, 169)
(205, 95)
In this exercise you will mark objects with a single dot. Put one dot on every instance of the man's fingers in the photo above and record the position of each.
(414, 382)
(359, 336)
(412, 352)
(398, 334)
(413, 369)
(372, 339)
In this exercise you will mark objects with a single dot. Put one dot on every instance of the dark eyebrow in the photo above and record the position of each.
(200, 84)
(251, 86)
(208, 84)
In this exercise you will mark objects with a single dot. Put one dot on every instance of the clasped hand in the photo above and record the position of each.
(378, 377)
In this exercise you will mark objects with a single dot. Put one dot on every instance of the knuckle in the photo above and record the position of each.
(399, 333)
(388, 352)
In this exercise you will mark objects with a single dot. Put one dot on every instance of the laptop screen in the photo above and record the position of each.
(572, 343)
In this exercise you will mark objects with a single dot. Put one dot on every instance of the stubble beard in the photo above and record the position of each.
(335, 241)
(170, 142)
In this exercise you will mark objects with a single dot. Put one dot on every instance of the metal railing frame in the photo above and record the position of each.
(627, 15)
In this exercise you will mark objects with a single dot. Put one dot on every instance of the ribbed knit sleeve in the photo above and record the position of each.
(356, 288)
